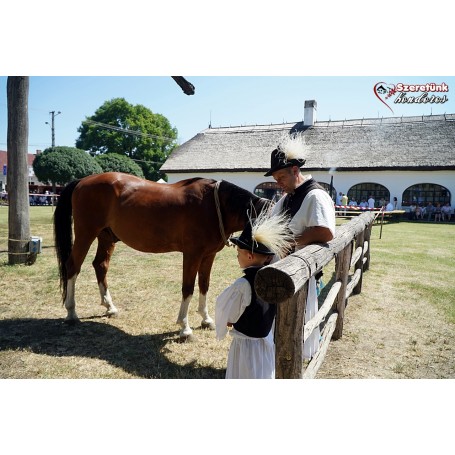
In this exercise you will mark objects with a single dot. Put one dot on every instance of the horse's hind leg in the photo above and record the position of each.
(106, 246)
(70, 301)
(190, 268)
(204, 282)
(73, 266)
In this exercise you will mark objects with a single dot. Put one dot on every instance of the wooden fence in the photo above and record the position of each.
(285, 283)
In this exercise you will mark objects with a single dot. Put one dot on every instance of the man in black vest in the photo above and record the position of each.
(311, 210)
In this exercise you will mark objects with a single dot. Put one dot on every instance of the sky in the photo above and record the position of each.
(218, 100)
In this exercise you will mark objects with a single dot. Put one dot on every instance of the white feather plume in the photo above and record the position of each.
(293, 147)
(273, 232)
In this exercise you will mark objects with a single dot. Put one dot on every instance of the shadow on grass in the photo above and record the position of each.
(140, 355)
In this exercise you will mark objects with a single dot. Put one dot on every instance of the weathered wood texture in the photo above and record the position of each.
(280, 281)
(359, 242)
(17, 171)
(318, 359)
(357, 254)
(289, 336)
(353, 282)
(286, 283)
(342, 266)
(367, 242)
(323, 311)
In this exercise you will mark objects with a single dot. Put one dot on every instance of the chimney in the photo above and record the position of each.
(309, 113)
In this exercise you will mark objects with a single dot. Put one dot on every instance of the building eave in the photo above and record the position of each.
(314, 169)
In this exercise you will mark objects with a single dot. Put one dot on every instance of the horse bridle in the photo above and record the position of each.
(218, 211)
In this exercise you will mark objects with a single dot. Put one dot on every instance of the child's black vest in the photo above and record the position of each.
(257, 319)
(293, 202)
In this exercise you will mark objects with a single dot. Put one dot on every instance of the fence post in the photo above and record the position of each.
(289, 325)
(359, 241)
(342, 266)
(368, 239)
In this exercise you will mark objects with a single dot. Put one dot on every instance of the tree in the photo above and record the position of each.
(17, 88)
(132, 130)
(113, 162)
(61, 165)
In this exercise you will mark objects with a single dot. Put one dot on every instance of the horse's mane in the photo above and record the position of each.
(190, 181)
(237, 198)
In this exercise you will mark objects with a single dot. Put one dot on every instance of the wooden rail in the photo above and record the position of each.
(285, 283)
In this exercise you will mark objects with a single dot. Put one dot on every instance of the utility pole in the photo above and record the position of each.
(17, 178)
(53, 114)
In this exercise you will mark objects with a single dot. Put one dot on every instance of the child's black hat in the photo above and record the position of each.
(245, 241)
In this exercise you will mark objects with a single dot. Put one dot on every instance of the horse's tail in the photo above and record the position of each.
(63, 233)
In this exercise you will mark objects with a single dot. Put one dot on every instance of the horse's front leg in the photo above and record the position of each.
(182, 319)
(207, 322)
(204, 282)
(106, 301)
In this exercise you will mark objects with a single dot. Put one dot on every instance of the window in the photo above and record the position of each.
(326, 186)
(364, 190)
(268, 190)
(423, 193)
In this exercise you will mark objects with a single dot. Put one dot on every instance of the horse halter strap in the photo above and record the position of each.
(218, 211)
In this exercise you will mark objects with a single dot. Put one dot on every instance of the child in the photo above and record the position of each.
(252, 351)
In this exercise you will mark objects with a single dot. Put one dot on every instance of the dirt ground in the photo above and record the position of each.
(406, 338)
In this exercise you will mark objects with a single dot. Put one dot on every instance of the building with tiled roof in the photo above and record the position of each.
(34, 184)
(410, 158)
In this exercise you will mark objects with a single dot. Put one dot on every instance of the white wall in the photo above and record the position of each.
(247, 180)
(395, 181)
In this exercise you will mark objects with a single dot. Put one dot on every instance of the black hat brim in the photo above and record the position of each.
(258, 248)
(299, 163)
(277, 168)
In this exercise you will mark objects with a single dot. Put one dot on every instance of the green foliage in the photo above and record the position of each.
(113, 162)
(61, 165)
(135, 131)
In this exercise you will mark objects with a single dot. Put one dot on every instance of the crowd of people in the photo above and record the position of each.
(41, 199)
(431, 212)
(35, 198)
(370, 203)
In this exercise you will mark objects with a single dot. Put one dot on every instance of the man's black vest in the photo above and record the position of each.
(293, 201)
(257, 319)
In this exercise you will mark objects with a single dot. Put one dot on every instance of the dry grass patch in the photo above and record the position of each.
(142, 342)
(401, 326)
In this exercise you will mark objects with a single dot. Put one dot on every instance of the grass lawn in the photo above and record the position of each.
(413, 260)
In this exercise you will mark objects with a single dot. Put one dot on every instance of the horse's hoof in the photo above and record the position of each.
(111, 314)
(208, 325)
(186, 338)
(71, 321)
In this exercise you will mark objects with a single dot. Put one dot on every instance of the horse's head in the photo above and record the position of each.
(262, 204)
(238, 205)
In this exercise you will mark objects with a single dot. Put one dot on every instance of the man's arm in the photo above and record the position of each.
(315, 234)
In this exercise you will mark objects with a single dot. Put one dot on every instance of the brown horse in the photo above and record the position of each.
(194, 216)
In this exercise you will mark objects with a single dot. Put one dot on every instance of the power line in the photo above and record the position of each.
(123, 130)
